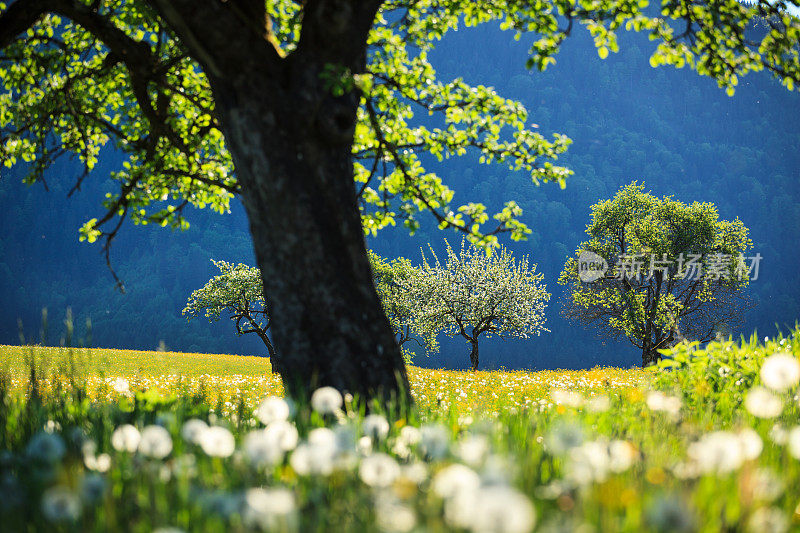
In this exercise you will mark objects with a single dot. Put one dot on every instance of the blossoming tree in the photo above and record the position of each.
(391, 277)
(238, 292)
(474, 294)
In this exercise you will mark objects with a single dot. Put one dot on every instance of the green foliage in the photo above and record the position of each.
(391, 278)
(713, 379)
(475, 293)
(81, 78)
(650, 292)
(238, 291)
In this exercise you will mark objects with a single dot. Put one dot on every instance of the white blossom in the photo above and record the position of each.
(793, 441)
(270, 509)
(284, 433)
(434, 441)
(718, 452)
(261, 448)
(768, 520)
(46, 447)
(453, 479)
(658, 401)
(376, 426)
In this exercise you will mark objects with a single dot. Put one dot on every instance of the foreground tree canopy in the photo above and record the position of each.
(285, 103)
(473, 294)
(656, 271)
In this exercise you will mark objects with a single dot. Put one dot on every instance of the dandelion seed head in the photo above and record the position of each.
(217, 441)
(326, 400)
(780, 371)
(378, 470)
(126, 438)
(272, 409)
(155, 442)
(762, 403)
(46, 447)
(193, 429)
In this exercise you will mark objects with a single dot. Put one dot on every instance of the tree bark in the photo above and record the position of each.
(473, 354)
(291, 147)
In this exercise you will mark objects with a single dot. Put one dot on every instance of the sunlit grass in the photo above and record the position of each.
(708, 442)
(233, 376)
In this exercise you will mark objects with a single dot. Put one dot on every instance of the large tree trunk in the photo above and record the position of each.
(291, 140)
(294, 165)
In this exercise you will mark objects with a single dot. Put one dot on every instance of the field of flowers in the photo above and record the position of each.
(112, 440)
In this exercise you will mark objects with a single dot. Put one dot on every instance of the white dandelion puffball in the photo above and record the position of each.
(376, 427)
(217, 441)
(719, 452)
(793, 441)
(193, 429)
(262, 448)
(155, 442)
(379, 470)
(780, 371)
(323, 438)
(434, 441)
(473, 449)
(751, 443)
(269, 509)
(503, 510)
(455, 478)
(126, 438)
(394, 517)
(272, 409)
(658, 401)
(762, 403)
(93, 488)
(566, 397)
(598, 404)
(768, 519)
(563, 437)
(326, 400)
(284, 433)
(410, 435)
(60, 504)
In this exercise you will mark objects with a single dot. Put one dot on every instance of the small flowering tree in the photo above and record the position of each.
(237, 290)
(391, 277)
(656, 270)
(474, 294)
